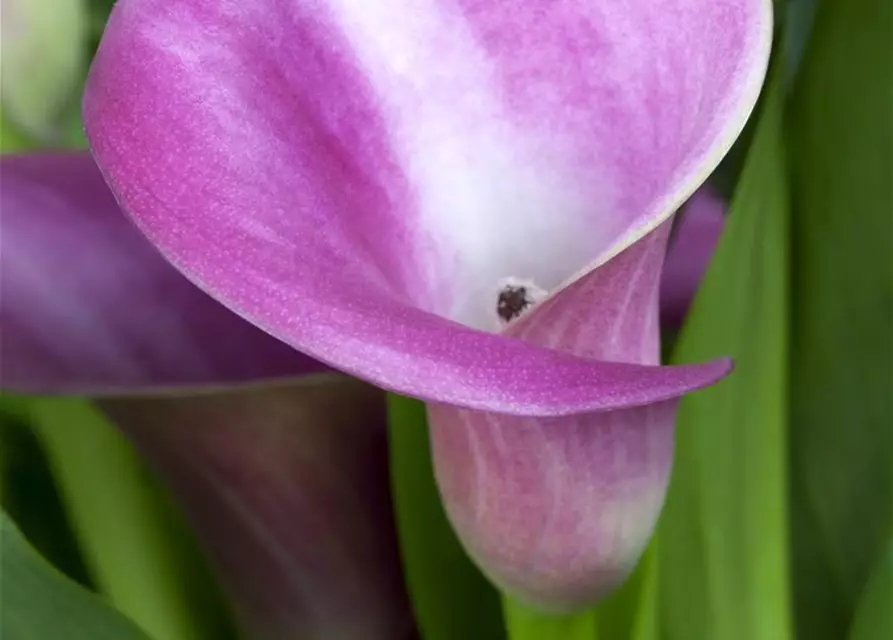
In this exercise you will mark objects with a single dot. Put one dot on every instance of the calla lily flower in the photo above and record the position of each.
(464, 202)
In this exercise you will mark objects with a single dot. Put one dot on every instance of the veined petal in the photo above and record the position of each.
(287, 490)
(355, 176)
(558, 510)
(90, 307)
(691, 248)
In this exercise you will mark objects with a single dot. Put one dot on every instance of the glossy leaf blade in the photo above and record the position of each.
(37, 602)
(723, 537)
(841, 142)
(29, 495)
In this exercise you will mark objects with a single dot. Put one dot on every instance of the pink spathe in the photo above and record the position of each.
(562, 507)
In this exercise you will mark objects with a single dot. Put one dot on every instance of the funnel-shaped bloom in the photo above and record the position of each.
(465, 201)
(286, 486)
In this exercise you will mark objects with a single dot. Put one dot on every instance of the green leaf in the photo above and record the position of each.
(646, 624)
(72, 134)
(136, 549)
(722, 539)
(30, 497)
(37, 602)
(11, 139)
(43, 63)
(874, 617)
(840, 139)
(451, 598)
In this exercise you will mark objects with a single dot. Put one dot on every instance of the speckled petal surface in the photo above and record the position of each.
(90, 307)
(287, 490)
(356, 177)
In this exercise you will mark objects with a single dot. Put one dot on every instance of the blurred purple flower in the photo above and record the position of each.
(285, 484)
(691, 247)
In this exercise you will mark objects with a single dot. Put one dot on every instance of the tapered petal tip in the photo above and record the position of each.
(555, 511)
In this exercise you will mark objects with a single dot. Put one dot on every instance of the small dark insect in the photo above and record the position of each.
(512, 302)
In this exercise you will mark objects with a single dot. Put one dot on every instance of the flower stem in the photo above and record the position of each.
(524, 623)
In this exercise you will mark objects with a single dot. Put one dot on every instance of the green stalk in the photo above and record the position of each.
(645, 621)
(525, 623)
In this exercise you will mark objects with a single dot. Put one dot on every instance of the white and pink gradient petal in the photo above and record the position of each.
(356, 177)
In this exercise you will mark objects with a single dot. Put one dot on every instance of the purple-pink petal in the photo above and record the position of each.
(90, 307)
(691, 248)
(287, 489)
(555, 510)
(355, 178)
